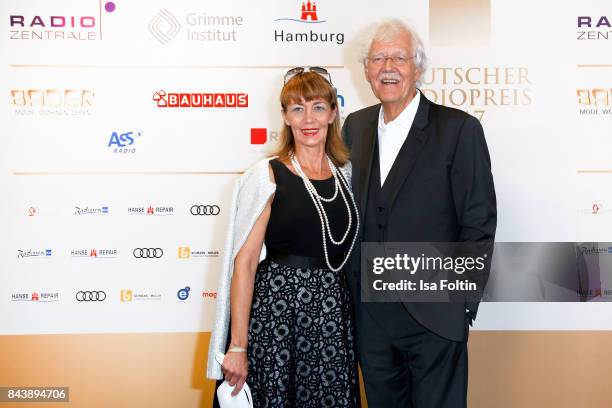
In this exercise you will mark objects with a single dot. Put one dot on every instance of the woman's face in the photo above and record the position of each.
(309, 122)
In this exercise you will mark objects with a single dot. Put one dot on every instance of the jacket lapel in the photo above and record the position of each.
(369, 135)
(410, 150)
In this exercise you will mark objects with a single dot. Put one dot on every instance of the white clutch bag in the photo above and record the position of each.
(224, 392)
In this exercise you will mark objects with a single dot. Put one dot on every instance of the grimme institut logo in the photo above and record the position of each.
(201, 27)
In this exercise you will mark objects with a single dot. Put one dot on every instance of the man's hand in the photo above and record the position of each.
(235, 369)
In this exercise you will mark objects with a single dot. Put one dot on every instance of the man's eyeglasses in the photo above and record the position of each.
(380, 59)
(298, 70)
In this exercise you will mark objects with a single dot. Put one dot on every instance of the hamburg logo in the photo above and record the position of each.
(308, 14)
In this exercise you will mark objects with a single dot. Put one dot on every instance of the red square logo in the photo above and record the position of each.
(258, 136)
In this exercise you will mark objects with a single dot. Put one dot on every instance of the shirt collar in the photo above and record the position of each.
(405, 118)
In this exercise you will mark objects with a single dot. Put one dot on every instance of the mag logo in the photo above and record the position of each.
(82, 23)
(165, 99)
(304, 15)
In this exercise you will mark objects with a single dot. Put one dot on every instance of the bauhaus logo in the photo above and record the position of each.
(165, 99)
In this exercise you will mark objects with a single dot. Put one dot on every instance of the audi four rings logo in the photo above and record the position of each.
(148, 252)
(91, 296)
(205, 210)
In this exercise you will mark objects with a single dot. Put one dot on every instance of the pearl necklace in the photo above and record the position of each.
(318, 203)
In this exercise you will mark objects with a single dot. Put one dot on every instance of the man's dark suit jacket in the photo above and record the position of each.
(444, 193)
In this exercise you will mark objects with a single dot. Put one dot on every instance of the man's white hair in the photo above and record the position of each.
(388, 30)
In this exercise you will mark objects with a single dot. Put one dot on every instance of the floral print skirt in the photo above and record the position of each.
(301, 339)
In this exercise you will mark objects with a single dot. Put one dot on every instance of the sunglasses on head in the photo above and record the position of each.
(317, 70)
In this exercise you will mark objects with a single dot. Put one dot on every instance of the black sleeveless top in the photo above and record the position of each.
(294, 227)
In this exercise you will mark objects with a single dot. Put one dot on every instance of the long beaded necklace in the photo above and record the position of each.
(318, 203)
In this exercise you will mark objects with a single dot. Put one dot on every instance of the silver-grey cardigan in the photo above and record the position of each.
(251, 194)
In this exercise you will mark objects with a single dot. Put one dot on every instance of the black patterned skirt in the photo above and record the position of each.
(301, 339)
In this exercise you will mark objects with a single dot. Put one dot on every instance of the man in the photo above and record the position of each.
(421, 173)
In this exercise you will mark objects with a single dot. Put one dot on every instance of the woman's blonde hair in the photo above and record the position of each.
(305, 87)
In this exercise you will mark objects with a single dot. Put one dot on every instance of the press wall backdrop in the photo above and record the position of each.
(125, 124)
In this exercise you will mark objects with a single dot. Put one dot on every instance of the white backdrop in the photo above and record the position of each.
(67, 90)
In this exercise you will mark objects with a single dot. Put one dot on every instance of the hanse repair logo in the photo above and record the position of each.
(83, 24)
(123, 142)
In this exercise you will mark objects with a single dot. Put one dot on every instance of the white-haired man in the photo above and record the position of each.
(421, 173)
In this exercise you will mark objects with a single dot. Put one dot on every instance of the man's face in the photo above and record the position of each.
(391, 72)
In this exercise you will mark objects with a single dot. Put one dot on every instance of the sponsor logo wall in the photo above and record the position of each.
(126, 124)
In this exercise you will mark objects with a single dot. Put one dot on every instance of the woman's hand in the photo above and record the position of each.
(235, 368)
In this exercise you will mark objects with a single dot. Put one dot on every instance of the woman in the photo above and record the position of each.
(291, 334)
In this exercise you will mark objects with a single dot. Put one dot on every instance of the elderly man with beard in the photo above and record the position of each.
(421, 173)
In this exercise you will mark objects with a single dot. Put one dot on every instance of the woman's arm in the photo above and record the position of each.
(235, 364)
